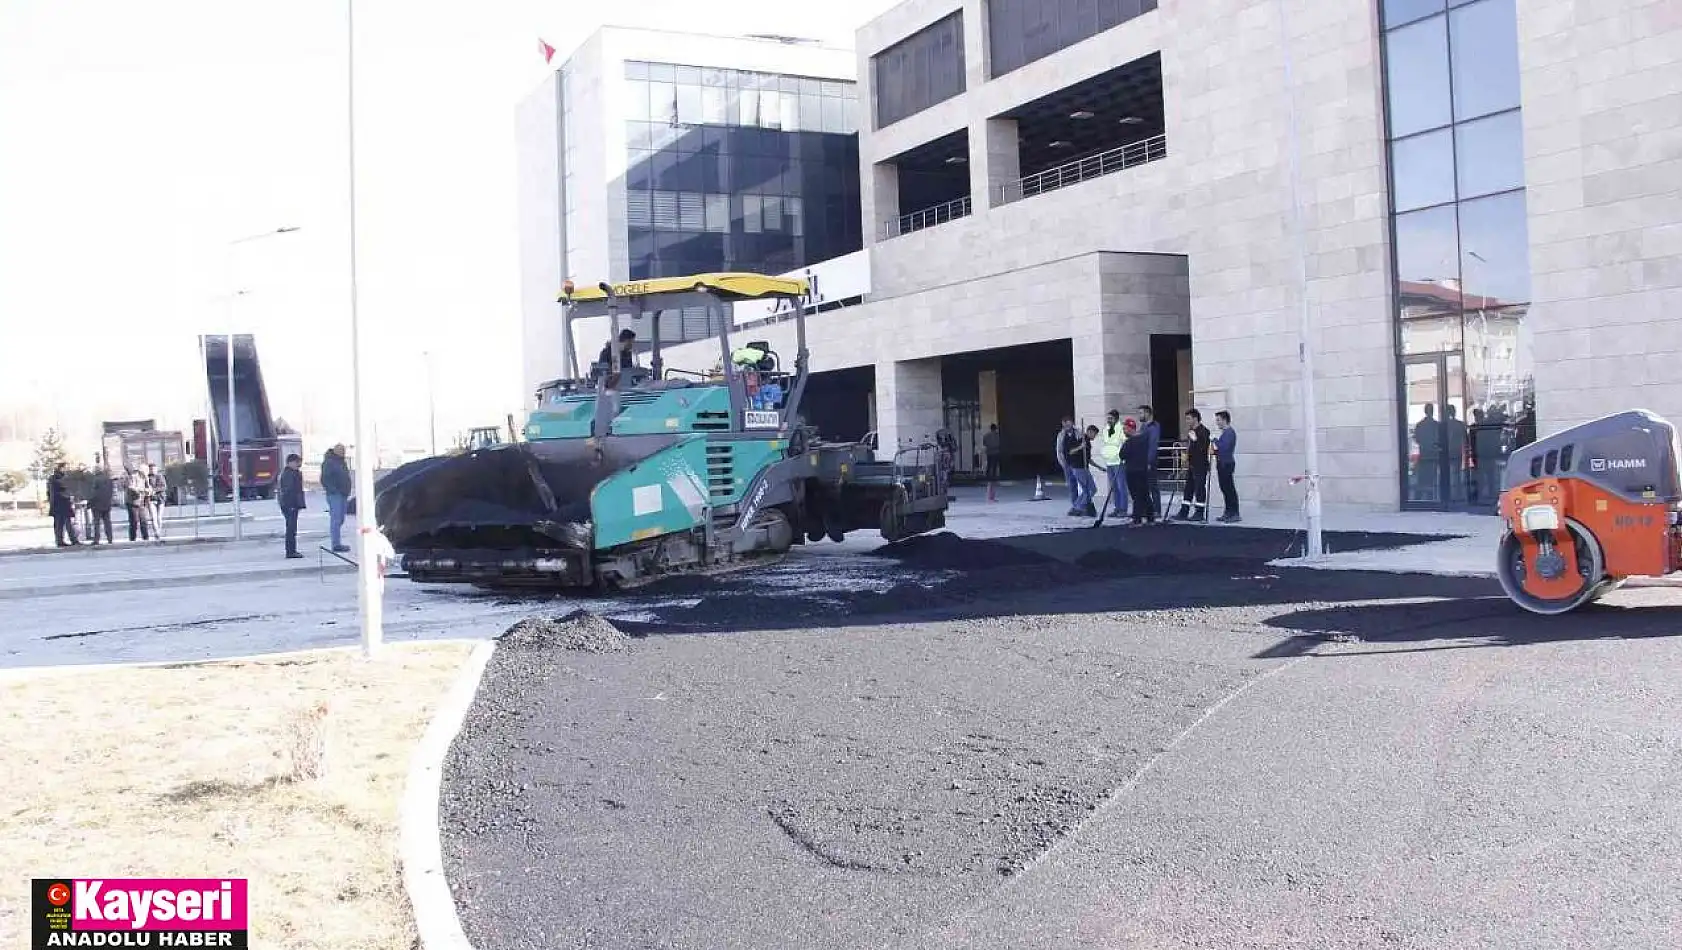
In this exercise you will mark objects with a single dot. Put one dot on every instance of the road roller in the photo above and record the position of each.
(1588, 508)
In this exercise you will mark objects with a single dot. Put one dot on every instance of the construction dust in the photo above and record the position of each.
(579, 632)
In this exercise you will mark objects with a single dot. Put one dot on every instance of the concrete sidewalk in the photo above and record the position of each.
(1471, 553)
(141, 566)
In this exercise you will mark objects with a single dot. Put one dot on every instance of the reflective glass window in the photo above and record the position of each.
(1423, 170)
(1486, 68)
(1495, 251)
(1427, 255)
(1490, 155)
(662, 72)
(689, 105)
(662, 102)
(811, 112)
(636, 100)
(718, 212)
(1397, 12)
(636, 70)
(752, 208)
(713, 110)
(1418, 86)
(837, 115)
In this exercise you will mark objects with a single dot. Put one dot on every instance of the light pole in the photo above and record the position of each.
(233, 413)
(368, 590)
(1305, 341)
(431, 407)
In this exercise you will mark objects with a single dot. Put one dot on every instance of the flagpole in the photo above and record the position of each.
(368, 590)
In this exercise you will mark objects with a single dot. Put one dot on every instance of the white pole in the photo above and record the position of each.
(368, 590)
(1305, 341)
(431, 407)
(233, 428)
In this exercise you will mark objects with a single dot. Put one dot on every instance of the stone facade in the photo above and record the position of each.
(1219, 203)
(1603, 155)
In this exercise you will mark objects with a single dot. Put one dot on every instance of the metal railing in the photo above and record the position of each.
(926, 218)
(1085, 169)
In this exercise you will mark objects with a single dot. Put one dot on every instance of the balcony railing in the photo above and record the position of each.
(1085, 169)
(926, 218)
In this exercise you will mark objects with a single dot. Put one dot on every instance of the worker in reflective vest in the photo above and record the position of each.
(746, 360)
(1110, 454)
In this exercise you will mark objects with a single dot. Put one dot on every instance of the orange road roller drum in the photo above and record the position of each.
(1589, 507)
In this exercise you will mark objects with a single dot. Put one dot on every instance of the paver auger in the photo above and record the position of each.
(629, 473)
(1587, 509)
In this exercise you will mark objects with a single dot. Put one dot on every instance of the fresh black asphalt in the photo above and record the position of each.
(1115, 738)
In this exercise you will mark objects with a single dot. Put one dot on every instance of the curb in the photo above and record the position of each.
(166, 581)
(420, 850)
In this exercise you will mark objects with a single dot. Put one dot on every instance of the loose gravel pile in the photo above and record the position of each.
(577, 632)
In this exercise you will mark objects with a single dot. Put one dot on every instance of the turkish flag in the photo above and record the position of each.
(548, 51)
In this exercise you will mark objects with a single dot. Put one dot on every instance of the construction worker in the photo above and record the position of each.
(627, 351)
(1194, 503)
(1109, 454)
(750, 361)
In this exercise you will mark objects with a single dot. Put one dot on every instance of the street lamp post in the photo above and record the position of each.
(233, 413)
(1305, 342)
(431, 407)
(368, 589)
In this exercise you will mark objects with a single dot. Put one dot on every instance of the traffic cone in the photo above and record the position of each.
(1039, 488)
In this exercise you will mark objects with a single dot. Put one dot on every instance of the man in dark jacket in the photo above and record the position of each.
(627, 351)
(1151, 431)
(292, 501)
(1194, 503)
(104, 496)
(336, 485)
(62, 508)
(1136, 460)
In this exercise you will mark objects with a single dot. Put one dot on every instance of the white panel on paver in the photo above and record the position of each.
(646, 500)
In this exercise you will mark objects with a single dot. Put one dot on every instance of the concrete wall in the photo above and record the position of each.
(538, 180)
(1603, 148)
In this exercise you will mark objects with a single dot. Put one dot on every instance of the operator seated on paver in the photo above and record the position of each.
(625, 365)
(754, 360)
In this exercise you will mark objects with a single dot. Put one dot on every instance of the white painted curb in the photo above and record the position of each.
(419, 850)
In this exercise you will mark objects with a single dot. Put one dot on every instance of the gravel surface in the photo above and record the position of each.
(1079, 749)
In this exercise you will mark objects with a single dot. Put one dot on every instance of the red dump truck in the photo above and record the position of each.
(260, 446)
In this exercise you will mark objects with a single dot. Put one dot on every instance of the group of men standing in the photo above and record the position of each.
(1128, 452)
(143, 496)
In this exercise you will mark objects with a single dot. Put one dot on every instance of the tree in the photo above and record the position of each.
(11, 483)
(49, 454)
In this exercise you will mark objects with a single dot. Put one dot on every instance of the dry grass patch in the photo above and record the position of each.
(285, 771)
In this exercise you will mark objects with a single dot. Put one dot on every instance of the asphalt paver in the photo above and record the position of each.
(1137, 738)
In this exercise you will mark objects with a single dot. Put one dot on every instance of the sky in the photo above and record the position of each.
(138, 140)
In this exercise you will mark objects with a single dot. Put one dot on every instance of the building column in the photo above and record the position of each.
(988, 385)
(994, 161)
(908, 403)
(884, 203)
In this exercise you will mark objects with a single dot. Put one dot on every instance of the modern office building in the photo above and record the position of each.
(651, 154)
(1072, 205)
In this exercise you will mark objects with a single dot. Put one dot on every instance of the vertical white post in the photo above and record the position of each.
(233, 429)
(368, 582)
(1305, 341)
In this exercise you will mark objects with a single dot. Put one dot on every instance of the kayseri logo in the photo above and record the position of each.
(1616, 465)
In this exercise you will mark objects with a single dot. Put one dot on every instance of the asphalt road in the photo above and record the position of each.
(1129, 741)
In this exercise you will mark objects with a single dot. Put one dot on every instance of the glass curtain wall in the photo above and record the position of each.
(735, 170)
(1466, 397)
